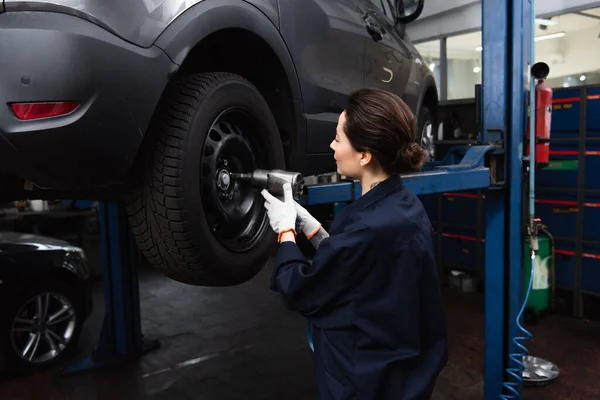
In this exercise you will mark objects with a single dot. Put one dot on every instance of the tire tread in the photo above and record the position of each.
(155, 205)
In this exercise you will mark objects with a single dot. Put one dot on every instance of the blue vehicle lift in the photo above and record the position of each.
(494, 165)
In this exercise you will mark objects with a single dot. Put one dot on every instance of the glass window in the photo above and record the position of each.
(568, 43)
(430, 51)
(464, 65)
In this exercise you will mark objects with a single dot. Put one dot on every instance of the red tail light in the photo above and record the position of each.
(29, 111)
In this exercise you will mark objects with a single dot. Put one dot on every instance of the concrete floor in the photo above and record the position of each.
(240, 343)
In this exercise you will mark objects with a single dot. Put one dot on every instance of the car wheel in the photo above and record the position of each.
(42, 328)
(191, 220)
(427, 132)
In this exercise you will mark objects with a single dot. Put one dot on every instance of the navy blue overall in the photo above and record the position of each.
(372, 299)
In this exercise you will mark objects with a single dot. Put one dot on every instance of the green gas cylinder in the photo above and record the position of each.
(539, 296)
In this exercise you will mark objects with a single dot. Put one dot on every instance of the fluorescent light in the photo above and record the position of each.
(547, 22)
(550, 36)
(537, 38)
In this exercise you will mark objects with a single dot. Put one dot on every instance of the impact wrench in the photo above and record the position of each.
(273, 180)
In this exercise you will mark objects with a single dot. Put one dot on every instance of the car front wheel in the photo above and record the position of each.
(191, 220)
(43, 327)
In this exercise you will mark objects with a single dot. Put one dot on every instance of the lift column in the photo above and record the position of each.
(121, 336)
(505, 37)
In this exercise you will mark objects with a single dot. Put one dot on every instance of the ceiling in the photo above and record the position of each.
(464, 46)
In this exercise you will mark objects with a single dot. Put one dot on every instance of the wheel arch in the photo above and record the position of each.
(222, 37)
(209, 17)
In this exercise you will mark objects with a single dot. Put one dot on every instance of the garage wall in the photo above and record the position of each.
(449, 17)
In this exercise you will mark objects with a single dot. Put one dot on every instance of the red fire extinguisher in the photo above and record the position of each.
(543, 116)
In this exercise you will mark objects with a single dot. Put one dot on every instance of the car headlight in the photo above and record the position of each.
(75, 260)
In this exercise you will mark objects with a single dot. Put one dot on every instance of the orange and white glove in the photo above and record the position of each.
(282, 214)
(307, 224)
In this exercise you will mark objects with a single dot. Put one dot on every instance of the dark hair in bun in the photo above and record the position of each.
(381, 123)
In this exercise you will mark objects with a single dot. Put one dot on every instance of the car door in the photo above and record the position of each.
(388, 61)
(327, 40)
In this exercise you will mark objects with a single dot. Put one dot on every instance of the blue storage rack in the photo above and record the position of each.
(568, 200)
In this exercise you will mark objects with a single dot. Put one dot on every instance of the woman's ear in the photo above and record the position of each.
(365, 158)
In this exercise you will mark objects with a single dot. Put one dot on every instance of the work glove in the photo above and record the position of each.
(282, 214)
(306, 223)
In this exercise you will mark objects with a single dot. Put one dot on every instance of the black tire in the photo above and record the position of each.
(426, 117)
(176, 193)
(14, 363)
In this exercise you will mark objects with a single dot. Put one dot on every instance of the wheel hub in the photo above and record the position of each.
(223, 179)
(231, 208)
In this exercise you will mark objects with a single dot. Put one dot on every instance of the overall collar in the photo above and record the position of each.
(381, 190)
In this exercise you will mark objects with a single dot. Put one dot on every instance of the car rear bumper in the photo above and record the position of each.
(56, 57)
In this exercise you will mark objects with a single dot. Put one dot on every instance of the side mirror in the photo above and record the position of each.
(540, 70)
(408, 10)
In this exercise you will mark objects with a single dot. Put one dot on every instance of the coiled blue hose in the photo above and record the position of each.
(517, 358)
(309, 336)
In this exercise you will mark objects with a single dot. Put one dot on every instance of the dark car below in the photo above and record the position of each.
(45, 292)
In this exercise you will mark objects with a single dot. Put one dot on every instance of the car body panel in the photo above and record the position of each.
(107, 75)
(136, 21)
(389, 61)
(37, 253)
(117, 56)
(329, 58)
(339, 56)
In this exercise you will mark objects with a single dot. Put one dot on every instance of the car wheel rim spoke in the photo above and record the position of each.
(43, 327)
(56, 338)
(28, 352)
(62, 315)
(55, 348)
(232, 209)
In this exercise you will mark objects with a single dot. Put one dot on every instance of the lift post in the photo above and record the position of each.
(505, 39)
(121, 335)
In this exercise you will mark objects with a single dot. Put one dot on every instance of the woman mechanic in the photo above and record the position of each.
(371, 295)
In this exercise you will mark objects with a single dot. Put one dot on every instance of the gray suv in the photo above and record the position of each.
(151, 101)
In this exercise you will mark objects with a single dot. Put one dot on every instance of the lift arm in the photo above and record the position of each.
(474, 170)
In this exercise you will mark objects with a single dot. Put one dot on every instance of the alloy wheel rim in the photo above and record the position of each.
(232, 209)
(43, 327)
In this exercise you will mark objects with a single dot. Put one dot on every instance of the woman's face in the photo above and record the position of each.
(347, 159)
